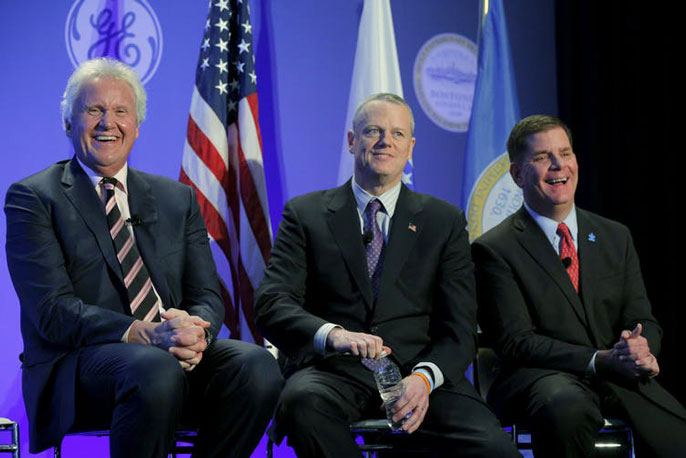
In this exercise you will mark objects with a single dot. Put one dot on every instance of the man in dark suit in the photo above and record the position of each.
(561, 294)
(325, 301)
(119, 295)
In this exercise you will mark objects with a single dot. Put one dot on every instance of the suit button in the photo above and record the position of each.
(374, 329)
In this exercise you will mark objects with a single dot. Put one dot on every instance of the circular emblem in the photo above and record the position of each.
(127, 30)
(494, 197)
(444, 79)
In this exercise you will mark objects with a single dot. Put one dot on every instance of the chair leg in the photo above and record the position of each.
(57, 451)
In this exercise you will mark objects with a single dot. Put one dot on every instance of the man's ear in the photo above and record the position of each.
(67, 128)
(516, 173)
(351, 138)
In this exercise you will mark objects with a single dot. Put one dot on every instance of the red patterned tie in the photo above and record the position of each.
(142, 298)
(567, 251)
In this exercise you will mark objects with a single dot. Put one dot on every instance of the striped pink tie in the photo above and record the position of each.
(142, 298)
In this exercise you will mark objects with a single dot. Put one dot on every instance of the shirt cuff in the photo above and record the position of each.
(321, 335)
(434, 373)
(591, 366)
(125, 337)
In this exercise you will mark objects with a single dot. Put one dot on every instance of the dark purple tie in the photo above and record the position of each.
(142, 299)
(375, 247)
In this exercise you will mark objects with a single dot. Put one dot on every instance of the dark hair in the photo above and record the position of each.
(517, 142)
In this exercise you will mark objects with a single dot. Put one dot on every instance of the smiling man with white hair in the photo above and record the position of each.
(120, 303)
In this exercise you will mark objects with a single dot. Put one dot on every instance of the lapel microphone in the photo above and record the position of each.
(567, 262)
(367, 237)
(135, 220)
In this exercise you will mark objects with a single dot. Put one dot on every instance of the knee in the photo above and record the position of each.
(155, 379)
(262, 374)
(254, 370)
(565, 413)
(301, 404)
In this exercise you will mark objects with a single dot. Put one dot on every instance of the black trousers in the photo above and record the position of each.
(565, 413)
(141, 394)
(319, 402)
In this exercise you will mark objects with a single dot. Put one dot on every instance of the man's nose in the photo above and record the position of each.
(106, 120)
(555, 161)
(383, 139)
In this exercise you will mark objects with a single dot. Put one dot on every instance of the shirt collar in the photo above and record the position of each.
(549, 226)
(121, 176)
(389, 198)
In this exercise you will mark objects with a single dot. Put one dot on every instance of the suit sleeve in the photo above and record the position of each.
(37, 267)
(504, 316)
(201, 296)
(634, 299)
(453, 321)
(280, 312)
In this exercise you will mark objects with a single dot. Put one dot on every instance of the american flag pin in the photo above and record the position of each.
(591, 237)
(412, 227)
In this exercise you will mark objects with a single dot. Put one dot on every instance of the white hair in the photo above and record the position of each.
(96, 68)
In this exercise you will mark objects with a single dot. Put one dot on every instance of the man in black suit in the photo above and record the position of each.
(99, 254)
(561, 294)
(325, 304)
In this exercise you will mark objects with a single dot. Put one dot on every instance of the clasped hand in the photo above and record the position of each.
(630, 357)
(180, 334)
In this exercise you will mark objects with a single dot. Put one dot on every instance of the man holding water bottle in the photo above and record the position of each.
(369, 267)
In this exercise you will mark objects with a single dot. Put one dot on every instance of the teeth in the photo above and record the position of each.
(557, 180)
(105, 138)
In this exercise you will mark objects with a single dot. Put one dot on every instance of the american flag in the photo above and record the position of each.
(222, 160)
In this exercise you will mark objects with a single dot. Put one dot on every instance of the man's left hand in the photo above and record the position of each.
(415, 400)
(633, 348)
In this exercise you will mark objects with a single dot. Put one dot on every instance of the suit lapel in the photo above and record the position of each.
(401, 239)
(588, 260)
(142, 205)
(343, 220)
(79, 190)
(534, 241)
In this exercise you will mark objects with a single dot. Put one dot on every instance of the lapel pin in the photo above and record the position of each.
(591, 237)
(412, 227)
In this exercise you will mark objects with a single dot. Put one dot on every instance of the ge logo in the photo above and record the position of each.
(125, 30)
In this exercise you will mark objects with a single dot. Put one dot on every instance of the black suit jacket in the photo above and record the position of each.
(65, 271)
(425, 310)
(528, 306)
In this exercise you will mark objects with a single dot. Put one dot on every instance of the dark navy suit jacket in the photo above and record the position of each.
(69, 282)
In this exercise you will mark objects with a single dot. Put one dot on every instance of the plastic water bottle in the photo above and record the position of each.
(390, 384)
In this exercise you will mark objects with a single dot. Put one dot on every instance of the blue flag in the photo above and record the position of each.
(488, 193)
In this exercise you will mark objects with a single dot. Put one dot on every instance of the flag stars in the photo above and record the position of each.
(205, 63)
(234, 85)
(239, 66)
(222, 24)
(222, 5)
(247, 27)
(232, 105)
(253, 77)
(205, 44)
(243, 46)
(222, 45)
(222, 66)
(221, 86)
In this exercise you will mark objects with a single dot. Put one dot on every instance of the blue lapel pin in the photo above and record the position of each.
(591, 237)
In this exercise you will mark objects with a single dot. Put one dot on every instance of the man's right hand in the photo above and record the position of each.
(357, 343)
(181, 334)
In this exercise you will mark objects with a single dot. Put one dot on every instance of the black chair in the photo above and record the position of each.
(184, 440)
(615, 438)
